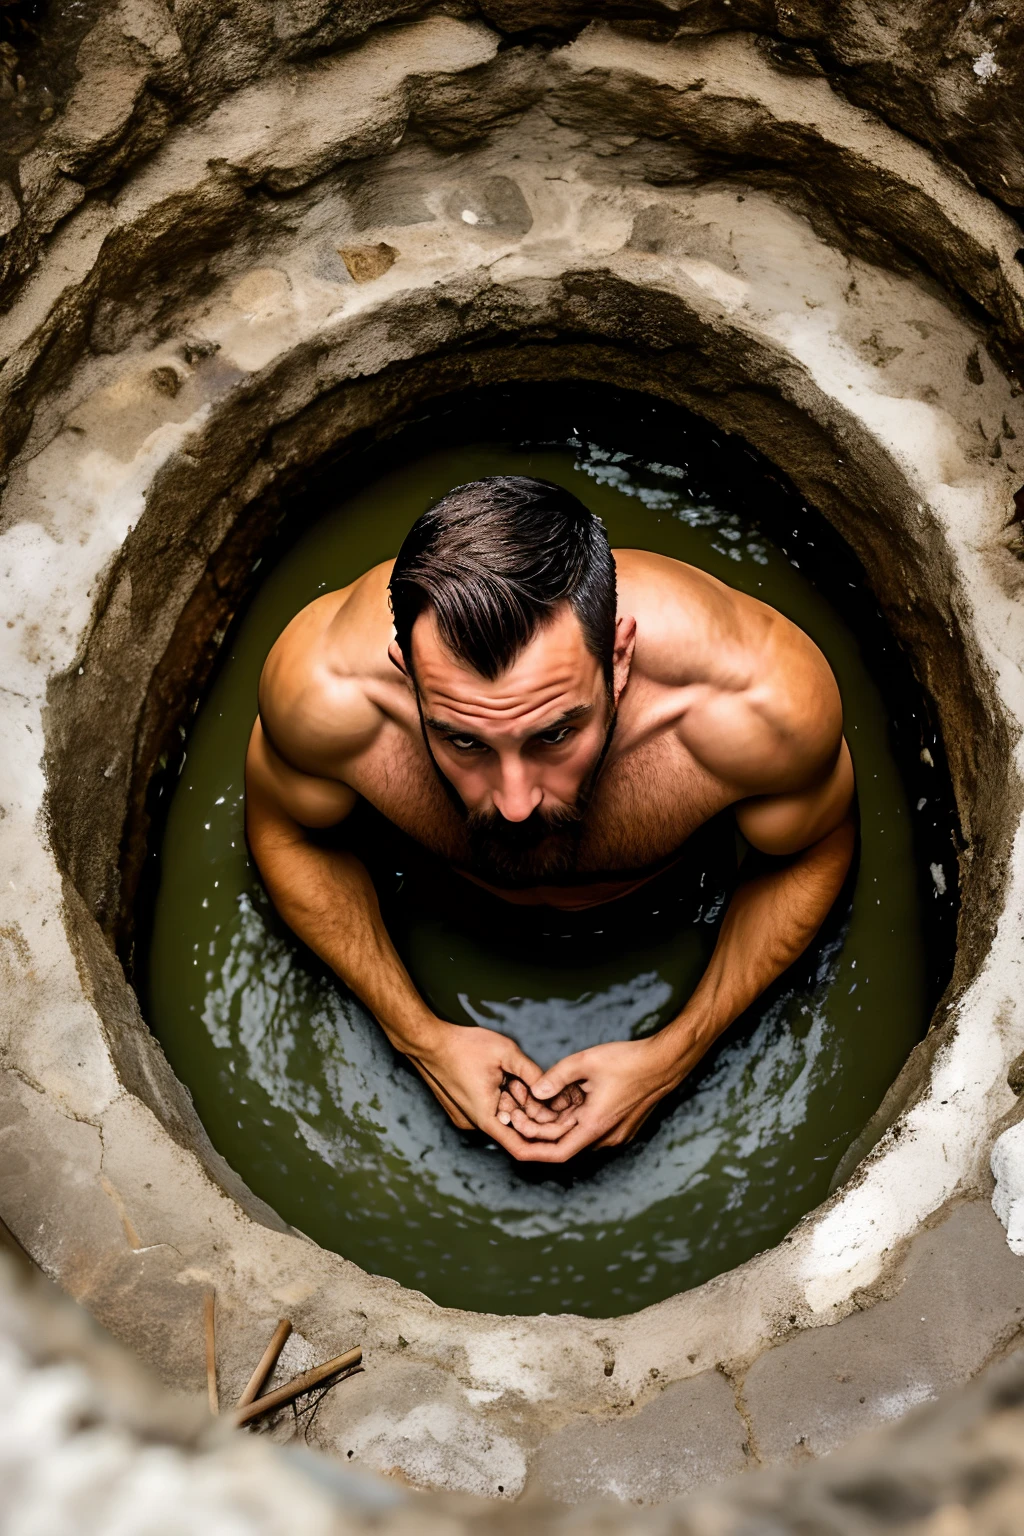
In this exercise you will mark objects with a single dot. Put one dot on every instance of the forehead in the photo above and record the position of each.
(554, 672)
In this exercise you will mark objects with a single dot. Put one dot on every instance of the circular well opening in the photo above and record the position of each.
(297, 1086)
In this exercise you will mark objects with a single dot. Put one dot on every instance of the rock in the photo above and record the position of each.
(494, 205)
(104, 1441)
(950, 76)
(365, 262)
(167, 380)
(1015, 1074)
(10, 209)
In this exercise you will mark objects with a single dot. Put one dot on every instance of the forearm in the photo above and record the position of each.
(327, 898)
(769, 923)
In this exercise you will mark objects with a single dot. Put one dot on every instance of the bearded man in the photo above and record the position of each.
(553, 719)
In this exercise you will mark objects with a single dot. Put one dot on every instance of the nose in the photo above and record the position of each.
(515, 797)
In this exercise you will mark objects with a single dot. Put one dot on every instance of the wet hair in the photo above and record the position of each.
(493, 560)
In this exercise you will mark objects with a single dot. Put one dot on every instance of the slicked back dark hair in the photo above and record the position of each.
(493, 559)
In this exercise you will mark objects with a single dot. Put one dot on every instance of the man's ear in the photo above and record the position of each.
(398, 660)
(622, 652)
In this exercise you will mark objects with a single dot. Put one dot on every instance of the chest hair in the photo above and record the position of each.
(647, 802)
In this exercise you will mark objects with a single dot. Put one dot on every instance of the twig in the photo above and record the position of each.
(269, 1359)
(297, 1386)
(209, 1315)
(305, 1417)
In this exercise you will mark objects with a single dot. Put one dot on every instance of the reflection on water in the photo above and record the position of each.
(302, 1093)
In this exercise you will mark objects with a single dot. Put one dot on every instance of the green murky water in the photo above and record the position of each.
(302, 1094)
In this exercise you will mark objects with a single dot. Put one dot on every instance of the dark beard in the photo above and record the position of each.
(513, 854)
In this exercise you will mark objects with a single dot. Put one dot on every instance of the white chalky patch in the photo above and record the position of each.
(436, 1446)
(501, 1362)
(896, 1405)
(1008, 1195)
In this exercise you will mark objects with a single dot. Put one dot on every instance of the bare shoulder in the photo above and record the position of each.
(321, 686)
(750, 695)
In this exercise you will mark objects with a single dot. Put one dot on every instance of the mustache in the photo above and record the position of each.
(520, 835)
(515, 853)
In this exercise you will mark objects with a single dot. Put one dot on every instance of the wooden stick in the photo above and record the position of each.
(298, 1384)
(209, 1316)
(269, 1359)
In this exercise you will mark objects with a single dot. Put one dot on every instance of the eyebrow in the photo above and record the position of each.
(575, 713)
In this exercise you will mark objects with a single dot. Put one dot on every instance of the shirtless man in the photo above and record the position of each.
(554, 721)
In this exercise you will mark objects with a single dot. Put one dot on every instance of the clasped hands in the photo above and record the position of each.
(597, 1097)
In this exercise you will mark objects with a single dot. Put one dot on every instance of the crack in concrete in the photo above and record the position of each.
(751, 1449)
(64, 1110)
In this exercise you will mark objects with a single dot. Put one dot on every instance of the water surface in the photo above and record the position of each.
(301, 1092)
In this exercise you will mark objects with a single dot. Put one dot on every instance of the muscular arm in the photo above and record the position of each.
(772, 917)
(327, 898)
(326, 895)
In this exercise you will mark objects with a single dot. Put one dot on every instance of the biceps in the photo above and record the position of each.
(783, 824)
(277, 793)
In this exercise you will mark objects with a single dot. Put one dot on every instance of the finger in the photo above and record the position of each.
(571, 1097)
(534, 1132)
(526, 1101)
(516, 1064)
(563, 1117)
(572, 1069)
(507, 1107)
(510, 1105)
(542, 1113)
(584, 1134)
(509, 1139)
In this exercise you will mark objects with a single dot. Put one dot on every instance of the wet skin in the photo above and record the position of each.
(719, 702)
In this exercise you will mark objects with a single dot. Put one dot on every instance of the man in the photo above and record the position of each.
(554, 721)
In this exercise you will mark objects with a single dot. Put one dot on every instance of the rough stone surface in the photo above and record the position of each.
(89, 1444)
(691, 1436)
(670, 205)
(724, 101)
(822, 1386)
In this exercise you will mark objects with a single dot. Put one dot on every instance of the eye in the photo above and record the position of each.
(554, 738)
(465, 743)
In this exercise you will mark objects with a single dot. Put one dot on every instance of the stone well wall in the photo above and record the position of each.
(238, 244)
